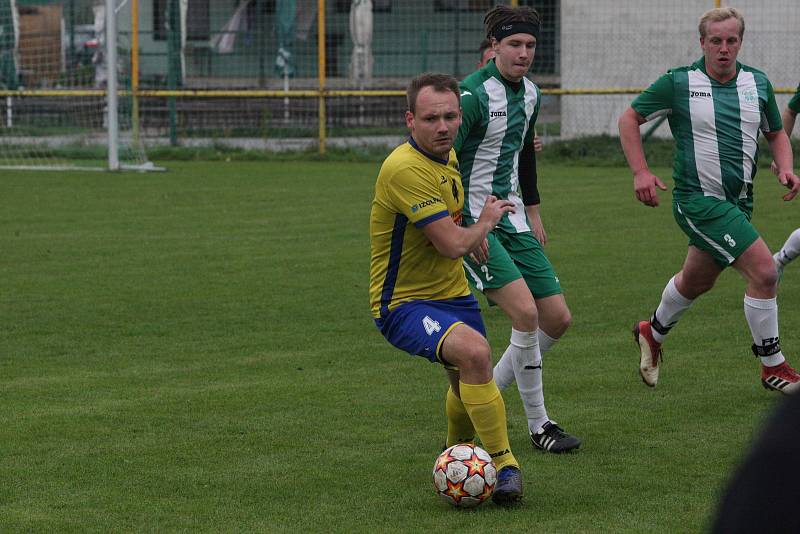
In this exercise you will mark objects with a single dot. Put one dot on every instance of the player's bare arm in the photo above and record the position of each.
(782, 158)
(537, 227)
(455, 241)
(788, 117)
(644, 181)
(481, 253)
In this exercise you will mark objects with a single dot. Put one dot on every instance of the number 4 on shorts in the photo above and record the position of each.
(430, 325)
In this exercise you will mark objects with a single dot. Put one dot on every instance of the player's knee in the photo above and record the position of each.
(768, 277)
(564, 321)
(526, 317)
(477, 357)
(469, 351)
(693, 288)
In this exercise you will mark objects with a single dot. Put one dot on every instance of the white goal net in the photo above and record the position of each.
(55, 72)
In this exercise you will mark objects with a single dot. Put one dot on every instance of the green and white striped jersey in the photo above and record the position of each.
(794, 103)
(498, 119)
(715, 126)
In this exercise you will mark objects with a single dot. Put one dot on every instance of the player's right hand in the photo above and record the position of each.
(790, 181)
(480, 254)
(493, 210)
(644, 186)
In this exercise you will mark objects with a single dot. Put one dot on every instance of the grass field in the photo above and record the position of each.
(193, 351)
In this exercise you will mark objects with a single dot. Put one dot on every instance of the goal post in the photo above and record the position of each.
(65, 87)
(112, 97)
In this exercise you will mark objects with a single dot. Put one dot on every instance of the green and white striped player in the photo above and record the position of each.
(790, 250)
(716, 108)
(495, 149)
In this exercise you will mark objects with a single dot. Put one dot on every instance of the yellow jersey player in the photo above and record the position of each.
(419, 296)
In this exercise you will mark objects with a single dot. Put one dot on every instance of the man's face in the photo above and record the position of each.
(486, 56)
(514, 55)
(435, 123)
(720, 47)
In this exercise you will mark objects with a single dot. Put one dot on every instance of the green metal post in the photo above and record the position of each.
(174, 74)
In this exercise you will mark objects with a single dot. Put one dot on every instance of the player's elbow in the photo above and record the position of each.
(456, 252)
(625, 120)
(450, 250)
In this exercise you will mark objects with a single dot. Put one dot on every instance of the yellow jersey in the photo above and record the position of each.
(413, 189)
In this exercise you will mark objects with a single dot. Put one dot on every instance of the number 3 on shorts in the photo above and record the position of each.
(430, 325)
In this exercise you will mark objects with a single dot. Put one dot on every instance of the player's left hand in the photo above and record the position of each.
(537, 143)
(538, 231)
(537, 227)
(480, 255)
(791, 182)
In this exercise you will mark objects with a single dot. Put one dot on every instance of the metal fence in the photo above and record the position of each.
(279, 74)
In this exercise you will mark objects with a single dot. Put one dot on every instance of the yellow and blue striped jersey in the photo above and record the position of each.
(413, 189)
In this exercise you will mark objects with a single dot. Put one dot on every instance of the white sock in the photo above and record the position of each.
(670, 309)
(504, 369)
(790, 250)
(527, 360)
(545, 341)
(762, 318)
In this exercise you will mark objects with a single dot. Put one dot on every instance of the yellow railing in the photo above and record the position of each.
(310, 93)
(321, 93)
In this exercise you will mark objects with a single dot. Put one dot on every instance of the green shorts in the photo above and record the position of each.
(514, 256)
(719, 227)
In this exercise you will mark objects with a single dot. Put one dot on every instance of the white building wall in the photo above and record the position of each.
(628, 44)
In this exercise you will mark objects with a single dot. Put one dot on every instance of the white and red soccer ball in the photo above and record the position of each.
(464, 475)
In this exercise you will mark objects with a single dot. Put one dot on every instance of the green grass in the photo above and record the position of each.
(193, 351)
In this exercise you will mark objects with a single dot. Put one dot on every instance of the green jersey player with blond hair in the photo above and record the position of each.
(495, 148)
(790, 250)
(716, 108)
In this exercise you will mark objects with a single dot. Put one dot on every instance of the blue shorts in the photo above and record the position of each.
(419, 327)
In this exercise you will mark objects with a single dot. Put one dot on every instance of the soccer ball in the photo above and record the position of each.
(464, 475)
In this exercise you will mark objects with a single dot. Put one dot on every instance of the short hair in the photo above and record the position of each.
(485, 45)
(506, 14)
(718, 15)
(441, 83)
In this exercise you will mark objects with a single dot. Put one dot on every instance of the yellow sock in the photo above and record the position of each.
(486, 409)
(459, 425)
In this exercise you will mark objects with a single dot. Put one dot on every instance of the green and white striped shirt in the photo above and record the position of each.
(498, 119)
(715, 126)
(794, 103)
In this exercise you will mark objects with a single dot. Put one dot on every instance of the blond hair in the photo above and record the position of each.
(718, 15)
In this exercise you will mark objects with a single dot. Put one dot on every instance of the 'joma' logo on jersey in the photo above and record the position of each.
(425, 203)
(693, 94)
(501, 113)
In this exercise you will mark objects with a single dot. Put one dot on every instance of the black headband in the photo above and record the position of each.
(501, 31)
